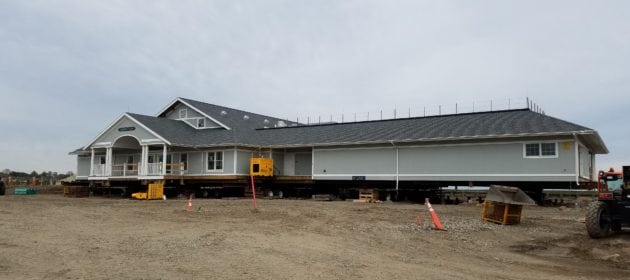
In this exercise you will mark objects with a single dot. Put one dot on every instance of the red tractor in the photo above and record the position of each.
(611, 211)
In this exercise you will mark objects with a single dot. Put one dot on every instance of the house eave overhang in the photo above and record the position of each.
(594, 141)
(79, 152)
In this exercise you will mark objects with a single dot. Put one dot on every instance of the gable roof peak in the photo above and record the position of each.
(188, 102)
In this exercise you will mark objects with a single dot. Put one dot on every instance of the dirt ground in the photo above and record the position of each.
(47, 236)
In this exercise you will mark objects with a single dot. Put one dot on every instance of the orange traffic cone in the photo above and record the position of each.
(189, 207)
(436, 220)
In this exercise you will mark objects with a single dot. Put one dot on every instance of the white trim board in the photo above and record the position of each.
(159, 177)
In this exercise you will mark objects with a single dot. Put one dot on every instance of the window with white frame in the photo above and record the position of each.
(201, 122)
(183, 113)
(541, 150)
(215, 161)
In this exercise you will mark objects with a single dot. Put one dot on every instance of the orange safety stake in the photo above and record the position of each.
(436, 220)
(189, 206)
(419, 220)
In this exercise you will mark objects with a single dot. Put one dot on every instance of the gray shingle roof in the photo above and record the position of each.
(489, 124)
(233, 117)
(498, 124)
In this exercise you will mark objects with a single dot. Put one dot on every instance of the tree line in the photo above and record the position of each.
(44, 175)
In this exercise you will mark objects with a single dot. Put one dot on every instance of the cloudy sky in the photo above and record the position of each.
(69, 68)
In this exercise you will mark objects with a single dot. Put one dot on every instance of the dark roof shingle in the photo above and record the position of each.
(249, 132)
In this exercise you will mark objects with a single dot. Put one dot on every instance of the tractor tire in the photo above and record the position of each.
(598, 220)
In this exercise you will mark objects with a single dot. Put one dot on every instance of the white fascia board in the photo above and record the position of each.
(194, 108)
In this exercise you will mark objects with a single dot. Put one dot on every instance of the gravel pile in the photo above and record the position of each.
(457, 228)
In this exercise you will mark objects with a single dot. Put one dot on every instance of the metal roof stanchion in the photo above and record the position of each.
(527, 101)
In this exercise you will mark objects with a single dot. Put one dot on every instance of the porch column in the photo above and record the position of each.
(144, 158)
(164, 160)
(108, 162)
(92, 163)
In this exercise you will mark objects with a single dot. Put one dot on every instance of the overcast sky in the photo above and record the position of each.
(69, 68)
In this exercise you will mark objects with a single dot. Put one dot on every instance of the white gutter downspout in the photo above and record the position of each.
(577, 160)
(397, 174)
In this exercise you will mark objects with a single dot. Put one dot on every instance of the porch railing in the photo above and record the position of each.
(171, 169)
(133, 169)
(125, 169)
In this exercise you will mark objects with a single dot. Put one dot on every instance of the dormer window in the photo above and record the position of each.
(201, 123)
(183, 113)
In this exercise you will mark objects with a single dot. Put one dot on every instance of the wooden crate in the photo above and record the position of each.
(368, 195)
(76, 191)
(501, 213)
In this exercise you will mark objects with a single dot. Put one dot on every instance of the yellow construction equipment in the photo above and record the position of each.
(261, 167)
(155, 191)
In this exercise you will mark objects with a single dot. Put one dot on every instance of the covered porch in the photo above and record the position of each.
(130, 157)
